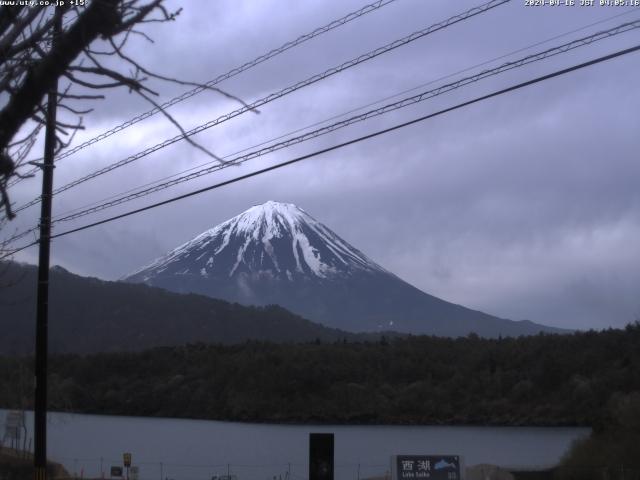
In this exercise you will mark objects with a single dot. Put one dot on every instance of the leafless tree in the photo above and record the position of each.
(94, 33)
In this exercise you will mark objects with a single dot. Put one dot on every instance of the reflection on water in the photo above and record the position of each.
(199, 449)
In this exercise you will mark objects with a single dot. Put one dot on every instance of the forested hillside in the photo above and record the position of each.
(539, 380)
(88, 315)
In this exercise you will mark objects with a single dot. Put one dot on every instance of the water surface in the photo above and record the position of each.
(198, 449)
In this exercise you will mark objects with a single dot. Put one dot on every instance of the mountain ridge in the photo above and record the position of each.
(276, 253)
(89, 315)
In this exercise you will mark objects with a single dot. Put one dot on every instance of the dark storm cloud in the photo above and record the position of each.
(525, 206)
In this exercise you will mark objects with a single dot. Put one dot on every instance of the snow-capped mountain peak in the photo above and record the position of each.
(276, 253)
(276, 239)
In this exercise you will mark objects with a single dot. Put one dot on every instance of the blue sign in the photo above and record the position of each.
(428, 467)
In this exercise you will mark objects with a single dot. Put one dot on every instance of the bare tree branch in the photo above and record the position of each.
(184, 134)
(29, 65)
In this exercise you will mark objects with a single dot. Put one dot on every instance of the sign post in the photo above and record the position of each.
(427, 467)
(126, 459)
(14, 423)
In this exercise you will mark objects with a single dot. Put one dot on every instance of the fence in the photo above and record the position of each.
(100, 468)
(89, 468)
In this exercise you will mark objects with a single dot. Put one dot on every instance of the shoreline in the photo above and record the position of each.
(329, 422)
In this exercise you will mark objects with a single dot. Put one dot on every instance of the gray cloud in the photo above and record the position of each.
(525, 206)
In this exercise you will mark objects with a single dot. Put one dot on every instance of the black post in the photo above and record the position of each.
(42, 310)
(321, 456)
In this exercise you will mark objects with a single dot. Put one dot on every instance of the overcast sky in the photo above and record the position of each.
(525, 206)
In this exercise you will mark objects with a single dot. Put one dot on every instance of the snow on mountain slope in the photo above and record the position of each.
(276, 238)
(276, 253)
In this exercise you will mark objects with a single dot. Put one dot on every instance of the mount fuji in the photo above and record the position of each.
(276, 253)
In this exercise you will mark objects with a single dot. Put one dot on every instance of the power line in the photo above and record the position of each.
(486, 62)
(341, 145)
(626, 27)
(225, 76)
(18, 236)
(343, 114)
(281, 93)
(235, 71)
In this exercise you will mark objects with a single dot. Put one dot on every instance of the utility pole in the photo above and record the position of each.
(42, 309)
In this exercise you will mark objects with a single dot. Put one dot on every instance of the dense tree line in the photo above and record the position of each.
(612, 449)
(539, 380)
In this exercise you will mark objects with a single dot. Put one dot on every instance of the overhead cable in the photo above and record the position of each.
(359, 118)
(281, 93)
(231, 73)
(77, 213)
(341, 115)
(338, 146)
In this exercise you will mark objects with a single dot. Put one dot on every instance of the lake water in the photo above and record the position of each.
(198, 449)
